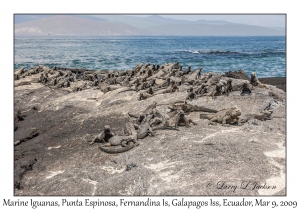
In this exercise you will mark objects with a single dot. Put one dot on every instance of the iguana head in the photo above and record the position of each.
(253, 75)
(245, 85)
(180, 113)
(107, 129)
(267, 113)
(141, 118)
(149, 117)
(236, 112)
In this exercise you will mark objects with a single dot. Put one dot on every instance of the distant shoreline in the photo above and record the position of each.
(279, 82)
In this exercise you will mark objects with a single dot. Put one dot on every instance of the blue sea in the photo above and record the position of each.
(264, 55)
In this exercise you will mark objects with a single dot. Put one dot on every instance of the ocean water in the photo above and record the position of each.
(264, 55)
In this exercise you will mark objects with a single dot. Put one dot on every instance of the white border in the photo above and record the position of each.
(155, 6)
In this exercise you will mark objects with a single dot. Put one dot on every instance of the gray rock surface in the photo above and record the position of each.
(52, 154)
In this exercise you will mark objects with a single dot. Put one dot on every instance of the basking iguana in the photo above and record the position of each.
(119, 140)
(104, 136)
(166, 83)
(265, 115)
(171, 89)
(191, 78)
(225, 116)
(112, 150)
(246, 89)
(181, 120)
(18, 73)
(187, 70)
(228, 87)
(144, 129)
(254, 81)
(161, 121)
(147, 111)
(126, 142)
(159, 74)
(191, 94)
(31, 71)
(203, 89)
(185, 107)
(216, 92)
(144, 96)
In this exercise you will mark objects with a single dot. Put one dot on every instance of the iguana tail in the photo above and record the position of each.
(133, 115)
(111, 150)
(126, 89)
(171, 103)
(206, 116)
(164, 128)
(203, 109)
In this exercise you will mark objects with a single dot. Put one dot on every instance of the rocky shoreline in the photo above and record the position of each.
(60, 111)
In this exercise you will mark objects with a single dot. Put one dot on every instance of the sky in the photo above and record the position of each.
(267, 20)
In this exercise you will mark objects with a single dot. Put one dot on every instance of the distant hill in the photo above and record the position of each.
(121, 25)
(25, 18)
(206, 29)
(72, 25)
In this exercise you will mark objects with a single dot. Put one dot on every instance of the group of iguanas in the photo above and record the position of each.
(151, 119)
(150, 80)
(145, 124)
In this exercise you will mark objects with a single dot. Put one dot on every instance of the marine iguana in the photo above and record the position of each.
(158, 118)
(31, 71)
(148, 84)
(216, 92)
(136, 69)
(144, 96)
(265, 115)
(159, 74)
(104, 136)
(181, 120)
(171, 89)
(166, 83)
(240, 74)
(187, 70)
(147, 111)
(177, 80)
(191, 78)
(119, 140)
(113, 150)
(185, 107)
(126, 142)
(160, 121)
(246, 89)
(144, 129)
(18, 73)
(106, 88)
(254, 81)
(228, 87)
(139, 120)
(202, 89)
(23, 83)
(225, 116)
(191, 94)
(214, 79)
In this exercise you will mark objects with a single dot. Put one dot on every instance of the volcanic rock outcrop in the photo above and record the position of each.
(59, 111)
